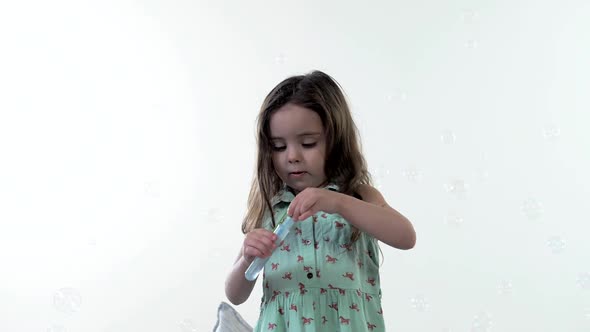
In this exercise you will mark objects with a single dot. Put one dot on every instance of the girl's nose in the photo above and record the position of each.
(294, 155)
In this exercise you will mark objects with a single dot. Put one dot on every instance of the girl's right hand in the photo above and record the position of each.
(259, 242)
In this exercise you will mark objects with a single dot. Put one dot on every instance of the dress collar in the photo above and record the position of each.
(286, 195)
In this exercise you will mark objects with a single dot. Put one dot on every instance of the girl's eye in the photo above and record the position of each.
(278, 148)
(309, 145)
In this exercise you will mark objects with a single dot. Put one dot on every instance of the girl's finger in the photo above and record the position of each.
(306, 215)
(299, 209)
(252, 252)
(266, 237)
(306, 209)
(302, 209)
(256, 252)
(260, 245)
(292, 207)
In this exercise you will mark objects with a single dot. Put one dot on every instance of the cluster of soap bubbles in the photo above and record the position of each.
(419, 303)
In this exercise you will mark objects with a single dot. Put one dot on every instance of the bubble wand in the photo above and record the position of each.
(258, 263)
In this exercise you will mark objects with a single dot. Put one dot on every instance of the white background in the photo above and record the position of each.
(127, 149)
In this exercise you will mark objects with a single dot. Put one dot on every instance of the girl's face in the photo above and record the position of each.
(298, 147)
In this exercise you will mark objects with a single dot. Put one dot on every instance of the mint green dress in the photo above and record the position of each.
(316, 280)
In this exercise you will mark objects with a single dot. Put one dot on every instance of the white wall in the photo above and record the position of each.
(127, 149)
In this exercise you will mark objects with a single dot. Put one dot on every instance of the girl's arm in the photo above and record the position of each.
(237, 288)
(259, 242)
(374, 216)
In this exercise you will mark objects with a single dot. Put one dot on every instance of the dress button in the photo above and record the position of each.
(309, 275)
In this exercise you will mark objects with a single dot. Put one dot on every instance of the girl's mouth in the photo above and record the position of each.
(297, 174)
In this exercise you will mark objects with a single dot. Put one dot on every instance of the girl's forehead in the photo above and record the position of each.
(295, 121)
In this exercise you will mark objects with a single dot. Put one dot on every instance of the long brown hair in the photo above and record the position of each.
(345, 164)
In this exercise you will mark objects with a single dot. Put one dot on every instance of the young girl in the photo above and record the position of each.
(325, 275)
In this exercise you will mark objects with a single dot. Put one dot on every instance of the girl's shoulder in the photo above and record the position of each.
(370, 194)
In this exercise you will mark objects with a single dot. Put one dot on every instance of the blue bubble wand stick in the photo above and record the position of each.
(282, 229)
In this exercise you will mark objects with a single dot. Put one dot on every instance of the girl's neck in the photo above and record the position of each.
(294, 192)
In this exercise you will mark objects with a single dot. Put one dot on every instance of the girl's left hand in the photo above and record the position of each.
(311, 200)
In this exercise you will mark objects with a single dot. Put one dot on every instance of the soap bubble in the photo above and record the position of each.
(469, 16)
(56, 328)
(556, 244)
(448, 137)
(458, 188)
(454, 219)
(67, 300)
(212, 215)
(280, 58)
(482, 322)
(188, 325)
(505, 287)
(471, 44)
(551, 132)
(532, 209)
(419, 303)
(413, 174)
(584, 280)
